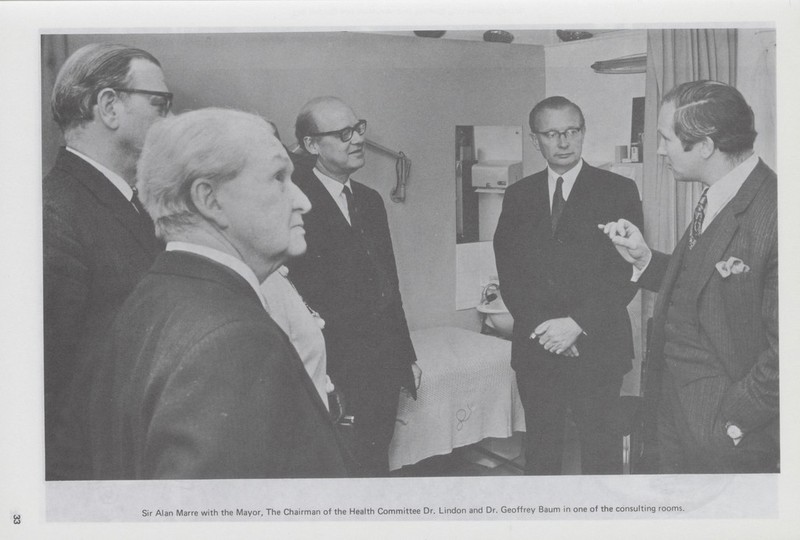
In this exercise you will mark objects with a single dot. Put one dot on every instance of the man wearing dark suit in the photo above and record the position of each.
(349, 275)
(201, 382)
(97, 244)
(568, 292)
(715, 323)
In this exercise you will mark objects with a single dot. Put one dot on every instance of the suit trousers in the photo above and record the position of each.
(546, 391)
(696, 443)
(372, 398)
(371, 390)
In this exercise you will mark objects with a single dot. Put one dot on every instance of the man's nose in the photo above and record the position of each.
(301, 202)
(563, 141)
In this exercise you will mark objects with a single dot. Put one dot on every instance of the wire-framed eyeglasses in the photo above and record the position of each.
(554, 134)
(163, 104)
(345, 134)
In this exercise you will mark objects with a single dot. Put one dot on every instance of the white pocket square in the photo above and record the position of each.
(733, 265)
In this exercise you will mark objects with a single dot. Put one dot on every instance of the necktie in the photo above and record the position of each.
(558, 204)
(351, 208)
(697, 220)
(137, 204)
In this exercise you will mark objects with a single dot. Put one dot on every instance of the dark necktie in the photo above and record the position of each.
(145, 217)
(697, 220)
(137, 203)
(351, 208)
(558, 204)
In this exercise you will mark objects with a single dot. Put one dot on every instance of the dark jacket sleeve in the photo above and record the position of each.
(653, 275)
(66, 292)
(397, 313)
(510, 269)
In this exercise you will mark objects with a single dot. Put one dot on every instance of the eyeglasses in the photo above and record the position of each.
(164, 104)
(553, 134)
(345, 134)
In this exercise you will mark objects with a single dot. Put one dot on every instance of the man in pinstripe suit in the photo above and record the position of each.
(715, 331)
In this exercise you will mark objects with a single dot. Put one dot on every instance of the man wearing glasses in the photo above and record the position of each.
(98, 241)
(567, 293)
(349, 276)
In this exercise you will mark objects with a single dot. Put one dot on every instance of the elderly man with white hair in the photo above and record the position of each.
(200, 381)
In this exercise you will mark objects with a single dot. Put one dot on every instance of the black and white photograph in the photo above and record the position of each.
(306, 275)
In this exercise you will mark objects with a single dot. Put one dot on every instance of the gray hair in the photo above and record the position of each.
(212, 143)
(89, 70)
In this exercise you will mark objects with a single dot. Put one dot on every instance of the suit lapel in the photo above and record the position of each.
(728, 223)
(537, 208)
(141, 227)
(322, 202)
(579, 197)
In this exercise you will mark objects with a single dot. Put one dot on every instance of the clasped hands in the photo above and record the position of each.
(559, 336)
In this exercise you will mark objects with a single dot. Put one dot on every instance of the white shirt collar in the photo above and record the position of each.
(237, 265)
(113, 177)
(726, 188)
(336, 189)
(569, 180)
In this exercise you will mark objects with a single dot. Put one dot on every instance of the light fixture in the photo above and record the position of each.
(498, 36)
(624, 65)
(573, 35)
(429, 33)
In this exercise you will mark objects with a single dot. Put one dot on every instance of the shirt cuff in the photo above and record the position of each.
(636, 274)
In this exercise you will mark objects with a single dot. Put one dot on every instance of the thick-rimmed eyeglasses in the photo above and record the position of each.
(554, 134)
(345, 134)
(164, 104)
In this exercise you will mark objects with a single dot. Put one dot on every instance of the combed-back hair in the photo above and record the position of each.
(715, 110)
(553, 103)
(86, 72)
(212, 143)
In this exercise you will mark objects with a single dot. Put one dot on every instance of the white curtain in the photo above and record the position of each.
(755, 68)
(675, 57)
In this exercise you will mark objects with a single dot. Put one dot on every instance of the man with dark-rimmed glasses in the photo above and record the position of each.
(568, 295)
(349, 276)
(98, 241)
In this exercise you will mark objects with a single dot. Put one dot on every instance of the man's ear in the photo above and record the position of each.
(204, 194)
(107, 108)
(535, 140)
(707, 147)
(310, 144)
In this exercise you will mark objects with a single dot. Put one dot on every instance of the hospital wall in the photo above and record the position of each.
(412, 91)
